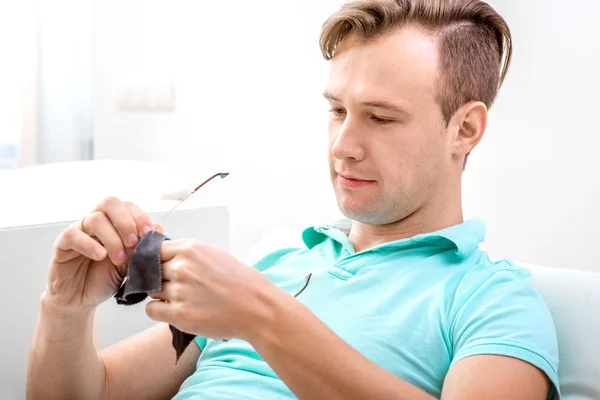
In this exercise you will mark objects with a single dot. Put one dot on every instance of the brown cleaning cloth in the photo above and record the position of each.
(144, 274)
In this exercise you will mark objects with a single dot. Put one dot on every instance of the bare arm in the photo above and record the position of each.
(495, 377)
(64, 363)
(143, 366)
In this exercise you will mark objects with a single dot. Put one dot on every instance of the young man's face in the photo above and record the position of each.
(386, 127)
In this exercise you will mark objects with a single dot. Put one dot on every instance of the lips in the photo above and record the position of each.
(354, 177)
(353, 182)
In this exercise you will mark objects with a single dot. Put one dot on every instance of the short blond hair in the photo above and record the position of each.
(475, 42)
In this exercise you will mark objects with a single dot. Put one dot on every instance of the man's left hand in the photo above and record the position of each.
(208, 292)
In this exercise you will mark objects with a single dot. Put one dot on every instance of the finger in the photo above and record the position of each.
(120, 217)
(169, 249)
(73, 239)
(186, 247)
(159, 310)
(165, 292)
(97, 224)
(158, 295)
(174, 271)
(142, 220)
(158, 228)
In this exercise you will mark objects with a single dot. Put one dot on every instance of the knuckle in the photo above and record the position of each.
(67, 239)
(176, 271)
(68, 235)
(92, 218)
(110, 201)
(189, 249)
(199, 247)
(93, 221)
(61, 240)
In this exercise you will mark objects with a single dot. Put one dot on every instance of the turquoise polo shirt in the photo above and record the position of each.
(414, 306)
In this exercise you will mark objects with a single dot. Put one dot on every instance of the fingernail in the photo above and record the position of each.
(121, 256)
(147, 229)
(133, 239)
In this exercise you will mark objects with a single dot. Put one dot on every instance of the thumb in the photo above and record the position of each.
(122, 269)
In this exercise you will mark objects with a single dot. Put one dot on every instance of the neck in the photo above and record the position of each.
(441, 212)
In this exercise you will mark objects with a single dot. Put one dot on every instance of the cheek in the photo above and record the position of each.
(402, 160)
(332, 129)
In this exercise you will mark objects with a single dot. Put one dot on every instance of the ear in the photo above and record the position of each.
(469, 122)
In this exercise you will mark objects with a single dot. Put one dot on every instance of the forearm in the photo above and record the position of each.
(63, 362)
(315, 363)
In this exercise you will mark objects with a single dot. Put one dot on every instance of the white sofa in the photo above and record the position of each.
(61, 191)
(573, 298)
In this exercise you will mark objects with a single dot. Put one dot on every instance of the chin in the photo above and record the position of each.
(369, 217)
(368, 211)
(364, 217)
(362, 213)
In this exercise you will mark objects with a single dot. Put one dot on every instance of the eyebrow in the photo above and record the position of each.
(386, 105)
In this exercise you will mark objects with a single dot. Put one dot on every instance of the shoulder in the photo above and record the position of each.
(493, 275)
(497, 311)
(504, 290)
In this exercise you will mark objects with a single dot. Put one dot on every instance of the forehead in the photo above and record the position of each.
(401, 65)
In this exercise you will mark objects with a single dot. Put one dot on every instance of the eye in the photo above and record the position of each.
(338, 112)
(381, 121)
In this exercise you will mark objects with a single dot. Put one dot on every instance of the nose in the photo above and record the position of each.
(347, 141)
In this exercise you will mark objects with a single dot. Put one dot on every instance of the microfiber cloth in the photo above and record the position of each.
(144, 274)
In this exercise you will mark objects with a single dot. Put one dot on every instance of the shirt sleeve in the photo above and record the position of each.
(503, 315)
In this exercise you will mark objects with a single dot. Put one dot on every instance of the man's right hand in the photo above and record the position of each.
(86, 269)
(90, 257)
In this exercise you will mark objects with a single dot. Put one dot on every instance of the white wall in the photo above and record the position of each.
(536, 177)
(248, 83)
(248, 101)
(17, 44)
(65, 79)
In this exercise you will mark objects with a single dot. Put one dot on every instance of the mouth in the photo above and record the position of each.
(352, 182)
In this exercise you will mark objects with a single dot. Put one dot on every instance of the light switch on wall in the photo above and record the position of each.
(145, 96)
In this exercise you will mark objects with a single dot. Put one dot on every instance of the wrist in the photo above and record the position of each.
(267, 315)
(60, 323)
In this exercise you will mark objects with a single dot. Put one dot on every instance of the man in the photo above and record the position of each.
(398, 304)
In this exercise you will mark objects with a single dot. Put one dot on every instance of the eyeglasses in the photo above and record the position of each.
(223, 175)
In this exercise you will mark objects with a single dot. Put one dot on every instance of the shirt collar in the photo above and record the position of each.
(465, 237)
